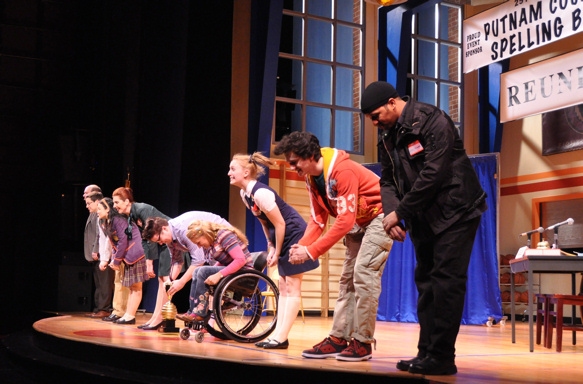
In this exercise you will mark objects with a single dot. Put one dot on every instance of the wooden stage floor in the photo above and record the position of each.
(484, 354)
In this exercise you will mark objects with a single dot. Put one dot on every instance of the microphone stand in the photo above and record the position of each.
(556, 238)
(528, 240)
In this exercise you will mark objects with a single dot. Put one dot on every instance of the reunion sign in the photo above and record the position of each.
(542, 87)
(517, 26)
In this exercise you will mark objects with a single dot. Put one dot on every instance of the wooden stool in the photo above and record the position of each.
(555, 310)
(542, 306)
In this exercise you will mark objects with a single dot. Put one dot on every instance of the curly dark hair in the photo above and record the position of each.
(303, 144)
(153, 226)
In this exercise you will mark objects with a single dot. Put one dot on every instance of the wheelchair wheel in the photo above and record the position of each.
(240, 310)
(214, 330)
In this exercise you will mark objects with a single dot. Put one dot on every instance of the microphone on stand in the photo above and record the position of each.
(569, 221)
(539, 230)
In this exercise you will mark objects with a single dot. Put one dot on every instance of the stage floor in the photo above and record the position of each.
(484, 354)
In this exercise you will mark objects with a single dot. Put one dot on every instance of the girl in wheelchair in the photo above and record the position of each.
(226, 251)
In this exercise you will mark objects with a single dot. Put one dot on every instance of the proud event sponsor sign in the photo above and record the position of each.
(517, 26)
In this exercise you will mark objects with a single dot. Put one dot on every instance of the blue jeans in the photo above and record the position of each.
(198, 288)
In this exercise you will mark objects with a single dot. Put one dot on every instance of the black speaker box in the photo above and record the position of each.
(73, 258)
(75, 287)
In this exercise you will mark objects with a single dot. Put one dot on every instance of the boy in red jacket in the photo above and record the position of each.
(349, 192)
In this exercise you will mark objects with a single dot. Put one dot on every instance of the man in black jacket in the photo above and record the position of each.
(429, 188)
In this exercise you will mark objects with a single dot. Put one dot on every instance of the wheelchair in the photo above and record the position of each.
(238, 307)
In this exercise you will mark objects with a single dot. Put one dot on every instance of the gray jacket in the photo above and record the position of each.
(91, 236)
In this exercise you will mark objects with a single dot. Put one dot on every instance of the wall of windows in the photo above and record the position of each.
(435, 68)
(320, 72)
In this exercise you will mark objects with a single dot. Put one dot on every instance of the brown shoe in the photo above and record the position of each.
(188, 317)
(99, 314)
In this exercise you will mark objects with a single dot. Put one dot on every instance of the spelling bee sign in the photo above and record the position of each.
(517, 26)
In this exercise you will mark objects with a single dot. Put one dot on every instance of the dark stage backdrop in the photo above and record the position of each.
(92, 90)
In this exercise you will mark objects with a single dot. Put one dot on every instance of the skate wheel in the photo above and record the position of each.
(184, 333)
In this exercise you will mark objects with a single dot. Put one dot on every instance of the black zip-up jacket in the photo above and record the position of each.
(427, 177)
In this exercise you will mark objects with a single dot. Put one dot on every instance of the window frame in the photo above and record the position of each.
(413, 76)
(358, 139)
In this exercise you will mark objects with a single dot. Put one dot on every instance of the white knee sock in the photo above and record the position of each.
(284, 324)
(281, 309)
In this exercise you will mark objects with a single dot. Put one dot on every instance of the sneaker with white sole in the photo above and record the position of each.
(324, 349)
(356, 351)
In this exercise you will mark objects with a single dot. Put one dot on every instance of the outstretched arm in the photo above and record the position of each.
(177, 285)
(278, 222)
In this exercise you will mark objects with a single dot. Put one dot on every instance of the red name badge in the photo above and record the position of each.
(414, 148)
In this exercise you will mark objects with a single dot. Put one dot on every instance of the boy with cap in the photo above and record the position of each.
(429, 183)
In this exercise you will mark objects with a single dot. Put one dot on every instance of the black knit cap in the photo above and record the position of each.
(375, 95)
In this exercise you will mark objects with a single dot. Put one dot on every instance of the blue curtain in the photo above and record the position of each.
(398, 300)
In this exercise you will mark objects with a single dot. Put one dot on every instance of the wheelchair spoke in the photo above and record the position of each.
(243, 315)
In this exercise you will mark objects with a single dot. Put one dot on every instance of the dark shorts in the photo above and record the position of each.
(285, 268)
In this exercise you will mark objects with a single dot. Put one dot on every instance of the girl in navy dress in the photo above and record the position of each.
(283, 226)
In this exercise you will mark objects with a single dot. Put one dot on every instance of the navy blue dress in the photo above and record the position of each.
(295, 227)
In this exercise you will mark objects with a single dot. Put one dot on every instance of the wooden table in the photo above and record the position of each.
(541, 264)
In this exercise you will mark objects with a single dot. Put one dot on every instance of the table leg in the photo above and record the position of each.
(573, 310)
(512, 310)
(530, 322)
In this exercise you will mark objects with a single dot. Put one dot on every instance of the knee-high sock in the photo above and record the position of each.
(292, 305)
(281, 310)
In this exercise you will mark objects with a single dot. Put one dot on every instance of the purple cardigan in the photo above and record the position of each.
(126, 250)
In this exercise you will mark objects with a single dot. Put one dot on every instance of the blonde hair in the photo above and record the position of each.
(209, 230)
(254, 163)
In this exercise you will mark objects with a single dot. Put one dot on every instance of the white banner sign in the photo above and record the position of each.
(517, 26)
(542, 87)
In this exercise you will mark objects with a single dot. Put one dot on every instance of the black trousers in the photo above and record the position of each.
(103, 287)
(440, 277)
